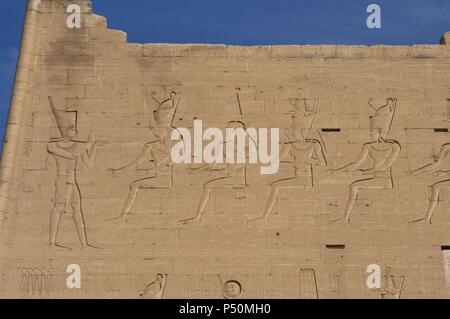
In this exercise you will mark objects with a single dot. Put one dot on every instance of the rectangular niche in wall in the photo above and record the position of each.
(446, 259)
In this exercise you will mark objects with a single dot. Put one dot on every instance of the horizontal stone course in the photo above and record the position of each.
(113, 89)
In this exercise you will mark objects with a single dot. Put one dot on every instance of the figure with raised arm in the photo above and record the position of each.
(155, 153)
(382, 151)
(438, 187)
(227, 175)
(68, 152)
(301, 152)
(155, 289)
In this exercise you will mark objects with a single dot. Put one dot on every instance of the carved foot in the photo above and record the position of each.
(344, 219)
(57, 246)
(123, 217)
(427, 220)
(90, 247)
(191, 220)
(259, 219)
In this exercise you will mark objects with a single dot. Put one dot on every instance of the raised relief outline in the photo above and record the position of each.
(391, 289)
(67, 156)
(156, 152)
(231, 175)
(155, 289)
(380, 175)
(438, 187)
(295, 148)
(308, 288)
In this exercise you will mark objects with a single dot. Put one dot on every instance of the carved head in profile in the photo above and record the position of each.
(163, 115)
(154, 145)
(390, 102)
(377, 124)
(302, 107)
(239, 125)
(69, 132)
(301, 126)
(380, 123)
(388, 271)
(302, 114)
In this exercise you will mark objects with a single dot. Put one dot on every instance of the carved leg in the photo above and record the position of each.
(204, 199)
(206, 194)
(434, 201)
(353, 197)
(272, 200)
(275, 187)
(132, 194)
(80, 226)
(55, 219)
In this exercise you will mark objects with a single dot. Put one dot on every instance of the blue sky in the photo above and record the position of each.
(243, 22)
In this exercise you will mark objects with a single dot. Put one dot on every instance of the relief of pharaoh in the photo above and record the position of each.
(68, 152)
(155, 153)
(223, 174)
(382, 151)
(300, 152)
(434, 168)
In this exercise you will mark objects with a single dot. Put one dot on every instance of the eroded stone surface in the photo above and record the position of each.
(446, 38)
(321, 228)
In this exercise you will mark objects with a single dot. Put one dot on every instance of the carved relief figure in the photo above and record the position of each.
(155, 153)
(155, 289)
(438, 187)
(382, 151)
(227, 175)
(301, 152)
(391, 290)
(68, 153)
(164, 116)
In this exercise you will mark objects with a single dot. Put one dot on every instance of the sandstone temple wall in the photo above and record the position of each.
(112, 87)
